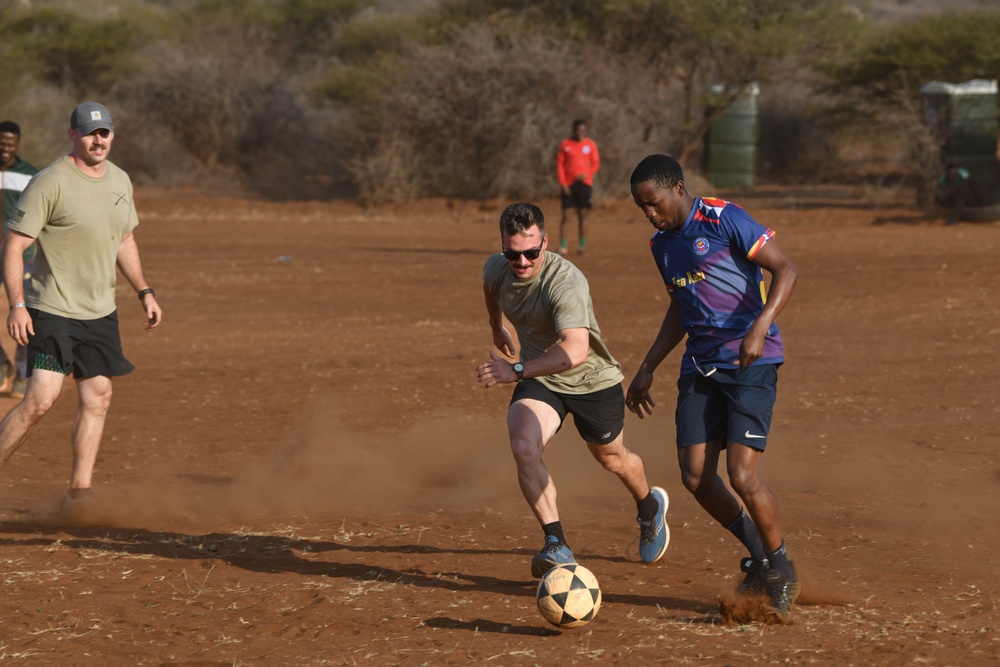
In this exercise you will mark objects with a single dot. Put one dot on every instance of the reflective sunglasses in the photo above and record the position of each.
(530, 254)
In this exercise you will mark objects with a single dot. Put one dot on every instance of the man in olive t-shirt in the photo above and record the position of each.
(80, 212)
(564, 368)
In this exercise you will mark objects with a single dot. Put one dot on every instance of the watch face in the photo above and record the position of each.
(518, 368)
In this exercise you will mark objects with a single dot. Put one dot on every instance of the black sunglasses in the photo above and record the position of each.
(530, 254)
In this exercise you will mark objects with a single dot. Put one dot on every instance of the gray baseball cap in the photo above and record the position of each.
(90, 116)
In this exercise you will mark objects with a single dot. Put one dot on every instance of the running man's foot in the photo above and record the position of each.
(581, 251)
(17, 389)
(77, 506)
(654, 535)
(755, 581)
(8, 373)
(552, 554)
(782, 591)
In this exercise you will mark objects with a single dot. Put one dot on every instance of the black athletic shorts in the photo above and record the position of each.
(580, 196)
(599, 416)
(85, 348)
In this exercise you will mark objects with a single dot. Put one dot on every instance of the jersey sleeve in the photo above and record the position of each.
(745, 233)
(561, 157)
(595, 159)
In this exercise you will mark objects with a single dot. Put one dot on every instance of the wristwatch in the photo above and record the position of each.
(519, 371)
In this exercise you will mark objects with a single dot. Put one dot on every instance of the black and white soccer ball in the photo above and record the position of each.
(568, 596)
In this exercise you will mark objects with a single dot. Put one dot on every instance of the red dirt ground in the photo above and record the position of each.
(303, 470)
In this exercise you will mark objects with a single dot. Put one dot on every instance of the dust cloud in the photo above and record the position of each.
(326, 470)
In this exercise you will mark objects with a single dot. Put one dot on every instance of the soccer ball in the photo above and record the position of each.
(568, 596)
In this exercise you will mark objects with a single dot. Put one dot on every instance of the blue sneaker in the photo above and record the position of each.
(552, 554)
(654, 535)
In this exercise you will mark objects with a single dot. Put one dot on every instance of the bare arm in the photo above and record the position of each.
(19, 324)
(131, 267)
(571, 351)
(501, 337)
(671, 333)
(784, 276)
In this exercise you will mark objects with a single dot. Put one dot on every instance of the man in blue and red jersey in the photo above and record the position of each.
(710, 253)
(576, 164)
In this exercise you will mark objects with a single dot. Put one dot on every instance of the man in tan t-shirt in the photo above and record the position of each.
(80, 212)
(564, 368)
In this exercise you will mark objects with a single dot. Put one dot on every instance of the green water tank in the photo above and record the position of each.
(964, 118)
(731, 150)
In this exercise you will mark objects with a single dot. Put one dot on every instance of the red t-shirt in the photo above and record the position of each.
(575, 158)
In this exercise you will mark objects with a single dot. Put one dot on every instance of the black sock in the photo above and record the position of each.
(779, 561)
(647, 507)
(555, 529)
(746, 532)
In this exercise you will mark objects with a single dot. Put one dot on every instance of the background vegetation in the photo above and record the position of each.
(469, 98)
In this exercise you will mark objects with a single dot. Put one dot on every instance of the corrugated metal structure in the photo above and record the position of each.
(965, 118)
(731, 151)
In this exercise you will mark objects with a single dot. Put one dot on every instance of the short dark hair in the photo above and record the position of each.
(661, 169)
(578, 122)
(520, 217)
(10, 127)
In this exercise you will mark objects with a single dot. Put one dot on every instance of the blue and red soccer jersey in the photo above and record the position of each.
(706, 266)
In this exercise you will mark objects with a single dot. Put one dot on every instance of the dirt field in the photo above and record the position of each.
(303, 470)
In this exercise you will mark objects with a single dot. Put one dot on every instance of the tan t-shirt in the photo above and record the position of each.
(79, 222)
(557, 298)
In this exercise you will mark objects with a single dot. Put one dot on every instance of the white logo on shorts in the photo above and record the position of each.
(751, 435)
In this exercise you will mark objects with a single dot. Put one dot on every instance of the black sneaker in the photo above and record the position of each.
(782, 591)
(755, 581)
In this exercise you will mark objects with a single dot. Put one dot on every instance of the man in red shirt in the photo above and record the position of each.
(576, 165)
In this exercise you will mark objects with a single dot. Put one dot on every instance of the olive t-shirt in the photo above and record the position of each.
(556, 298)
(79, 222)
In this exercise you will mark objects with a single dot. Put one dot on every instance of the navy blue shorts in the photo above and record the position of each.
(727, 405)
(85, 348)
(599, 416)
(580, 196)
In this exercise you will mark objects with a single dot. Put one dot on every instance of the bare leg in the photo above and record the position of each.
(531, 425)
(743, 464)
(582, 217)
(563, 222)
(699, 473)
(88, 427)
(623, 462)
(42, 391)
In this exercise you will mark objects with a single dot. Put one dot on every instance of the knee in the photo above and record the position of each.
(525, 450)
(98, 401)
(692, 481)
(612, 462)
(744, 482)
(36, 405)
